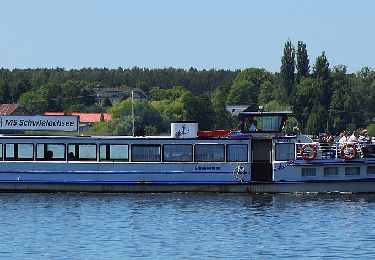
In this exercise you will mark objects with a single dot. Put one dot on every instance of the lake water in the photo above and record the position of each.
(186, 226)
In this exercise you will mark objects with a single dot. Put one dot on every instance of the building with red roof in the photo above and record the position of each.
(85, 119)
(13, 110)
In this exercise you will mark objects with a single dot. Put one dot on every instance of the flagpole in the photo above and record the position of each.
(133, 111)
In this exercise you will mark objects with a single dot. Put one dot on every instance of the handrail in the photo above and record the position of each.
(327, 151)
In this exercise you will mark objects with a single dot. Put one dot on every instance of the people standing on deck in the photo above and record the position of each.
(354, 137)
(364, 137)
(328, 138)
(253, 126)
(326, 145)
(343, 137)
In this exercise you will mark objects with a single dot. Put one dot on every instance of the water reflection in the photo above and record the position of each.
(186, 225)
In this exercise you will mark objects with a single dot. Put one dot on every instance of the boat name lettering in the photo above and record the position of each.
(284, 140)
(207, 168)
(54, 123)
(30, 122)
(283, 166)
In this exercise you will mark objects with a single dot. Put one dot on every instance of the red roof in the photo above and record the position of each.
(7, 109)
(85, 117)
(92, 117)
(54, 113)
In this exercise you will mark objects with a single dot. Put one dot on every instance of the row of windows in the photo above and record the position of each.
(120, 152)
(334, 171)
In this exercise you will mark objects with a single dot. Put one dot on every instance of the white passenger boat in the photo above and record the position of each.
(255, 159)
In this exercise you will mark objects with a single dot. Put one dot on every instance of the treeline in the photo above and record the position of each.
(15, 82)
(321, 97)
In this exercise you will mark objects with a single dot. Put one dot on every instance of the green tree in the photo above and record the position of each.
(287, 68)
(321, 72)
(199, 108)
(34, 101)
(338, 117)
(222, 119)
(303, 68)
(316, 122)
(4, 86)
(245, 88)
(306, 96)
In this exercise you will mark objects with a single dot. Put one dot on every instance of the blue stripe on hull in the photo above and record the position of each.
(108, 172)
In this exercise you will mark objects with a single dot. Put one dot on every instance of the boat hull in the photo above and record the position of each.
(357, 186)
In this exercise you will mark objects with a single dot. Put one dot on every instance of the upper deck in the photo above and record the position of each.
(263, 122)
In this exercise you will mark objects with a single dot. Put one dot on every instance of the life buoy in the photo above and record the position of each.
(351, 155)
(309, 152)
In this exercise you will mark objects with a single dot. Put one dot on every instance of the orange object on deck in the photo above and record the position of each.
(214, 133)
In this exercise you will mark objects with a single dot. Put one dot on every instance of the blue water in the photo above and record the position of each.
(186, 226)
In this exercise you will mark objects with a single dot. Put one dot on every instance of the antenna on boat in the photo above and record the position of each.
(133, 119)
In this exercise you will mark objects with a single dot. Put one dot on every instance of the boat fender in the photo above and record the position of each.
(309, 152)
(352, 151)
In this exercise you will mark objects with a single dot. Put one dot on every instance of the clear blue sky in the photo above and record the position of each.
(230, 34)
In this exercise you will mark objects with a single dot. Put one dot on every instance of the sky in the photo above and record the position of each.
(204, 34)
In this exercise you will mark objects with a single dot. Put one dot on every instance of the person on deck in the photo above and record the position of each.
(328, 138)
(364, 137)
(343, 137)
(354, 137)
(253, 126)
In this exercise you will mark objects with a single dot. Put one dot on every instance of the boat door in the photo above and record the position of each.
(261, 166)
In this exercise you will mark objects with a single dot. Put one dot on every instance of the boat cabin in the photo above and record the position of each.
(262, 126)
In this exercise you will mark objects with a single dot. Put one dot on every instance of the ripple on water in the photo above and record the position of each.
(178, 225)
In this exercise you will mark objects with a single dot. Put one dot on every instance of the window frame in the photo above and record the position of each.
(145, 145)
(45, 148)
(76, 151)
(174, 161)
(16, 152)
(108, 153)
(237, 161)
(209, 161)
(277, 153)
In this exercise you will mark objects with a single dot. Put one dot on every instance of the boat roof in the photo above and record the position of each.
(274, 113)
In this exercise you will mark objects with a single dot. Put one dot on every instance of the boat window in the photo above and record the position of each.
(284, 152)
(262, 123)
(308, 172)
(82, 152)
(114, 152)
(50, 152)
(177, 153)
(331, 171)
(352, 170)
(21, 152)
(146, 153)
(209, 153)
(237, 153)
(371, 170)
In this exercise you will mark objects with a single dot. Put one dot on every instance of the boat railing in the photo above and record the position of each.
(348, 151)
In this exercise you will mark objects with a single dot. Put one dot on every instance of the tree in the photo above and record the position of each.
(199, 108)
(221, 117)
(19, 85)
(306, 96)
(4, 86)
(316, 122)
(246, 86)
(322, 73)
(303, 68)
(339, 118)
(54, 97)
(288, 67)
(34, 101)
